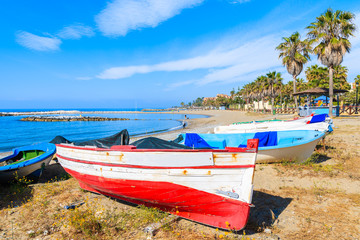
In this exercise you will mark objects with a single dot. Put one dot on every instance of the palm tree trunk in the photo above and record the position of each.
(272, 99)
(331, 90)
(263, 105)
(295, 98)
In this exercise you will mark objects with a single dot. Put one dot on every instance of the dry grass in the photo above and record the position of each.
(331, 159)
(42, 215)
(323, 214)
(36, 211)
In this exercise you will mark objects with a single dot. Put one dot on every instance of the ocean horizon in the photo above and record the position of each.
(15, 133)
(73, 109)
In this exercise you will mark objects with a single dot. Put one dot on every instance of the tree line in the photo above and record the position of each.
(328, 39)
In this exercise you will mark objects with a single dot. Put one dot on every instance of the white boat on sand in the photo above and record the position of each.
(317, 122)
(296, 145)
(213, 187)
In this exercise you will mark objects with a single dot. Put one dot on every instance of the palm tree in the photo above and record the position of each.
(319, 77)
(332, 30)
(357, 79)
(294, 54)
(278, 86)
(272, 82)
(339, 78)
(232, 93)
(287, 89)
(245, 93)
(259, 90)
(316, 76)
(252, 91)
(301, 85)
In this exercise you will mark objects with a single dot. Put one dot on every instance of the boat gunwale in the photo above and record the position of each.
(227, 150)
(154, 167)
(287, 145)
(48, 148)
(297, 143)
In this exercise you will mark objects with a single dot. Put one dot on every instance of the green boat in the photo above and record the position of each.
(27, 161)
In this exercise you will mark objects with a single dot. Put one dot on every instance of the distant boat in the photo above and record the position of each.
(274, 146)
(27, 161)
(318, 122)
(213, 187)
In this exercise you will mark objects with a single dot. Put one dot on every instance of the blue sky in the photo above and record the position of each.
(146, 53)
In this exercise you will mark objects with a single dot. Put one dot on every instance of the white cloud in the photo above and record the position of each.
(224, 65)
(75, 31)
(38, 43)
(232, 60)
(121, 16)
(178, 84)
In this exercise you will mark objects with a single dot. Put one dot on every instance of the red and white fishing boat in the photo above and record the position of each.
(213, 187)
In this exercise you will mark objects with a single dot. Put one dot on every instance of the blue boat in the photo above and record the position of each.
(27, 161)
(274, 146)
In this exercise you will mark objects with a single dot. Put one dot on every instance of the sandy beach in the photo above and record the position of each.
(318, 200)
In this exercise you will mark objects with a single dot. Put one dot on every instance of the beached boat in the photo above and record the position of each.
(281, 126)
(26, 161)
(258, 121)
(213, 187)
(295, 145)
(318, 122)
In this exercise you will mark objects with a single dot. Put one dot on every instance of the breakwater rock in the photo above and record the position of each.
(70, 119)
(5, 114)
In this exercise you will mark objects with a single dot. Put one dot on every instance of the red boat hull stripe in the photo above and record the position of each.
(153, 167)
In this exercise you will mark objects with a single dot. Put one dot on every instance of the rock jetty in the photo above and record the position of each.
(70, 119)
(5, 114)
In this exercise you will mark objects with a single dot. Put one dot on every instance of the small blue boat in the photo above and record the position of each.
(274, 146)
(26, 161)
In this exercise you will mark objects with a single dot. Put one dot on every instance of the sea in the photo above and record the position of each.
(15, 133)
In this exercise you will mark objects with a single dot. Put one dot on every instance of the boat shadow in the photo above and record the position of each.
(14, 194)
(266, 211)
(53, 172)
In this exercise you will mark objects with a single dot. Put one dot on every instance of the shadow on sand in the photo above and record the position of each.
(16, 193)
(53, 172)
(266, 211)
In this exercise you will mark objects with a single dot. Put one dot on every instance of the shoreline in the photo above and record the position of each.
(291, 201)
(215, 118)
(199, 125)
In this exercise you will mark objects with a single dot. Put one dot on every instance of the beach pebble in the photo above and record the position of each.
(267, 230)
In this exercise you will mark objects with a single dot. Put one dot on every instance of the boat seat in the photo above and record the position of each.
(217, 144)
(266, 139)
(195, 141)
(319, 118)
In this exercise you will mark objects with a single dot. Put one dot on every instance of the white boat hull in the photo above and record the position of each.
(24, 171)
(298, 153)
(208, 186)
(276, 126)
